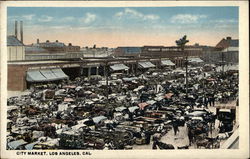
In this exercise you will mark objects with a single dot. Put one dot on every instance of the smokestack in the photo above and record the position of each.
(21, 31)
(37, 41)
(16, 29)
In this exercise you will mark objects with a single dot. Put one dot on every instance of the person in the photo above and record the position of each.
(175, 126)
(155, 139)
(190, 136)
(147, 137)
(205, 101)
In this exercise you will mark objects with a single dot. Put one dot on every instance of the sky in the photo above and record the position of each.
(125, 26)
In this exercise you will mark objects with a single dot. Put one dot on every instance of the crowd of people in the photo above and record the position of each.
(93, 113)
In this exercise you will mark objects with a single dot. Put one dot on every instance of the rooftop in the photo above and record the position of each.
(13, 41)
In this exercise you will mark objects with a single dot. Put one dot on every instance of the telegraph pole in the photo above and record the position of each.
(107, 85)
(186, 73)
(181, 43)
(222, 56)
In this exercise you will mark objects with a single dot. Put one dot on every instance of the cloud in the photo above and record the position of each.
(28, 17)
(68, 19)
(186, 18)
(45, 18)
(225, 21)
(131, 13)
(88, 18)
(22, 17)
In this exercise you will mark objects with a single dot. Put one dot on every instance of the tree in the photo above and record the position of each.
(182, 42)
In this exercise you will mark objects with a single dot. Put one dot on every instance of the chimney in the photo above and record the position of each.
(21, 31)
(16, 29)
(229, 38)
(37, 41)
(57, 41)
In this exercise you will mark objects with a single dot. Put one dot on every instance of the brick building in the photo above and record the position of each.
(56, 47)
(226, 51)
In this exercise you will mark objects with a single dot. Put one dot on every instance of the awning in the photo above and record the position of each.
(167, 63)
(59, 73)
(118, 67)
(146, 64)
(45, 75)
(195, 60)
(48, 74)
(35, 76)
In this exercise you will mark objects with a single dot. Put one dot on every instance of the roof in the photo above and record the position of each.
(146, 64)
(195, 60)
(131, 50)
(225, 43)
(13, 41)
(234, 43)
(167, 63)
(51, 44)
(117, 67)
(34, 49)
(45, 75)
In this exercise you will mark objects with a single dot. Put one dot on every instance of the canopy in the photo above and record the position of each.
(146, 64)
(168, 95)
(99, 118)
(76, 127)
(132, 109)
(142, 105)
(120, 109)
(129, 79)
(15, 144)
(118, 67)
(31, 145)
(197, 113)
(167, 63)
(151, 102)
(45, 75)
(59, 73)
(195, 60)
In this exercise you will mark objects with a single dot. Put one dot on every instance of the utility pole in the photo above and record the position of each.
(181, 43)
(222, 56)
(186, 73)
(107, 85)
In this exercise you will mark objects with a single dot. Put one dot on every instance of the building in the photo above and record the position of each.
(127, 51)
(226, 52)
(15, 49)
(56, 47)
(228, 44)
(51, 50)
(15, 46)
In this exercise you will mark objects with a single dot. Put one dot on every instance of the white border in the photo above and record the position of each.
(242, 152)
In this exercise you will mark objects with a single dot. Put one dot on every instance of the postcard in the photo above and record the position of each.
(124, 79)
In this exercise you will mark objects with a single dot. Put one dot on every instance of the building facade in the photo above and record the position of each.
(226, 52)
(15, 49)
